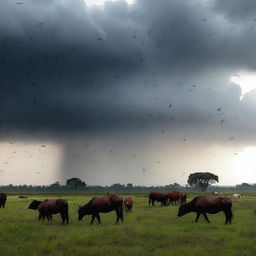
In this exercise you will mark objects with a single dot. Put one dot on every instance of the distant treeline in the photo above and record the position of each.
(56, 187)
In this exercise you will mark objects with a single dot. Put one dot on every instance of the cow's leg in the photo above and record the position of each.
(67, 218)
(48, 217)
(117, 215)
(63, 217)
(205, 216)
(228, 215)
(153, 202)
(121, 214)
(93, 217)
(197, 216)
(98, 217)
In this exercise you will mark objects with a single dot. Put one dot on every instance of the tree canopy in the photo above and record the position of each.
(202, 179)
(75, 183)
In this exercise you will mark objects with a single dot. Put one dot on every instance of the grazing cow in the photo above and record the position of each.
(34, 206)
(216, 193)
(207, 204)
(102, 204)
(3, 198)
(128, 203)
(237, 196)
(183, 198)
(54, 206)
(22, 197)
(176, 197)
(49, 207)
(157, 196)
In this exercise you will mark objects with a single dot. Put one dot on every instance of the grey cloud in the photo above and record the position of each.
(67, 67)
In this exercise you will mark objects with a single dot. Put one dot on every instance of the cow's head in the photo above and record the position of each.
(82, 211)
(184, 209)
(34, 204)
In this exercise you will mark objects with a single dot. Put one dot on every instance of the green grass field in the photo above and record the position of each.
(145, 231)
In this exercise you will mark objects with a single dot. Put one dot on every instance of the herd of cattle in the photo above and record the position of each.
(199, 205)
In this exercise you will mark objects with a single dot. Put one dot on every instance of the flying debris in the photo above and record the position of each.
(219, 109)
(19, 3)
(170, 105)
(222, 121)
(43, 146)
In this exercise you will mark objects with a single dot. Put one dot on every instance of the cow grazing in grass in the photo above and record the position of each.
(3, 198)
(49, 207)
(183, 198)
(237, 196)
(157, 196)
(34, 206)
(102, 204)
(128, 204)
(22, 197)
(205, 204)
(176, 197)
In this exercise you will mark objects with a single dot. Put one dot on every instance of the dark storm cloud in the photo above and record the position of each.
(67, 67)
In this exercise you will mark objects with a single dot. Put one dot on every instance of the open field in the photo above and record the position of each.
(146, 231)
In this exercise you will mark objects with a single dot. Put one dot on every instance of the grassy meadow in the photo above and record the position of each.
(145, 231)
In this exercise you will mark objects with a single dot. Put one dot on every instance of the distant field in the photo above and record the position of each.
(146, 231)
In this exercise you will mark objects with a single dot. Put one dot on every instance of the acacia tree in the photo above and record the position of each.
(202, 179)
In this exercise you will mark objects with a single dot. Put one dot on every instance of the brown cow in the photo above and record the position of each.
(183, 198)
(207, 204)
(128, 203)
(176, 197)
(54, 206)
(157, 196)
(102, 204)
(22, 197)
(173, 197)
(3, 198)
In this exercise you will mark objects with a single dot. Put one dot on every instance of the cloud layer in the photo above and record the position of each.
(66, 67)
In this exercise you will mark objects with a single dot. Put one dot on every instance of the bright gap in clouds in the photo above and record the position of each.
(247, 82)
(246, 165)
(101, 2)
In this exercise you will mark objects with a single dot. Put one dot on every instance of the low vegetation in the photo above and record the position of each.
(145, 231)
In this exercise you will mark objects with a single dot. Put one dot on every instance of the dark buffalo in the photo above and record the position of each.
(128, 203)
(34, 206)
(102, 204)
(157, 196)
(3, 198)
(54, 206)
(49, 207)
(206, 204)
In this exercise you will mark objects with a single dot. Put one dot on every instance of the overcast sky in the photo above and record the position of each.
(127, 92)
